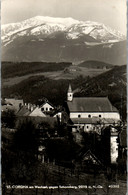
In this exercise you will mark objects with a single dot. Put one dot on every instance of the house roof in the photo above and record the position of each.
(14, 102)
(46, 102)
(37, 112)
(91, 104)
(23, 111)
(87, 155)
(91, 157)
(93, 120)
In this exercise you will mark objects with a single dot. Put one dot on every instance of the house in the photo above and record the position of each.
(46, 106)
(25, 110)
(87, 113)
(87, 161)
(38, 111)
(45, 109)
(12, 103)
(110, 151)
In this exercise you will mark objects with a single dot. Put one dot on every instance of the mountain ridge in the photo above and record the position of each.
(61, 39)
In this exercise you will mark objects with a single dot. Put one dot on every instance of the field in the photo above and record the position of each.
(11, 69)
(69, 73)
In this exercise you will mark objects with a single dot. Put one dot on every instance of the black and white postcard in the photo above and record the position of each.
(63, 97)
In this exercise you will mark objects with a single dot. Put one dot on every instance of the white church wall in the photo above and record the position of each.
(114, 115)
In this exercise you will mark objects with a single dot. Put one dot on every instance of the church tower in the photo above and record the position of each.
(69, 94)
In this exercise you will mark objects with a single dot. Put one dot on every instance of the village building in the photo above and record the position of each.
(43, 110)
(93, 114)
(88, 162)
(47, 106)
(11, 104)
(90, 113)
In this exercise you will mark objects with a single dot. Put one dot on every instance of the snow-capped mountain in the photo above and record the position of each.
(61, 34)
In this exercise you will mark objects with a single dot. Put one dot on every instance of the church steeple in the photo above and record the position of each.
(69, 94)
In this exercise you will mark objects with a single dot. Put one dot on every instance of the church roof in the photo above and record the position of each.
(69, 89)
(91, 104)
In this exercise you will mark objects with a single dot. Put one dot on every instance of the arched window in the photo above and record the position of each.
(100, 115)
(89, 116)
(79, 116)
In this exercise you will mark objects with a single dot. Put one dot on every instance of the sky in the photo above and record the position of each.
(108, 12)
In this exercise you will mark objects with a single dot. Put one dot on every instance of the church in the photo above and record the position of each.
(93, 114)
(90, 113)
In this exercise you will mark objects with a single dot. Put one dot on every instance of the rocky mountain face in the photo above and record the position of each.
(61, 39)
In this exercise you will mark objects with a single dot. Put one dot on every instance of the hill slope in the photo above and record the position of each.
(111, 83)
(95, 64)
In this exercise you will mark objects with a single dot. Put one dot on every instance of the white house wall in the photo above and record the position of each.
(47, 107)
(113, 115)
(114, 149)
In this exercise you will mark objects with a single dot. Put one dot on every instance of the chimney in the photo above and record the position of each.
(29, 106)
(32, 108)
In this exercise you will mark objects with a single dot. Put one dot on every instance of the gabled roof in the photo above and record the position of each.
(89, 156)
(23, 111)
(46, 102)
(91, 104)
(37, 112)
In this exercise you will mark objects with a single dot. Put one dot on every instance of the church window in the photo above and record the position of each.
(79, 116)
(99, 115)
(46, 109)
(89, 116)
(87, 127)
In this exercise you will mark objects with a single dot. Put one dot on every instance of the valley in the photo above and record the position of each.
(85, 82)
